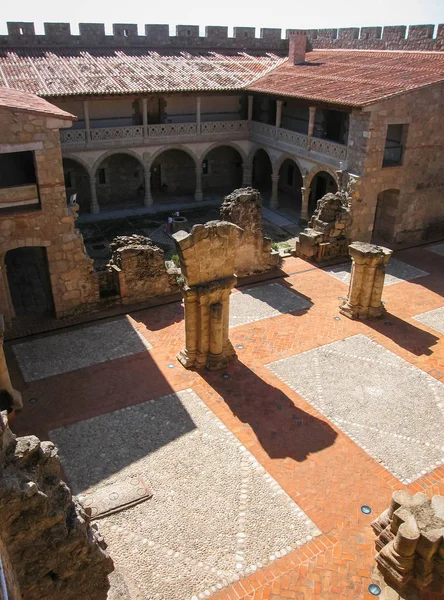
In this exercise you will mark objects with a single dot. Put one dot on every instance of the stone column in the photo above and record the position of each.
(247, 176)
(250, 108)
(305, 195)
(198, 102)
(5, 380)
(367, 281)
(311, 120)
(86, 118)
(148, 199)
(94, 208)
(198, 195)
(274, 202)
(278, 115)
(145, 117)
(207, 258)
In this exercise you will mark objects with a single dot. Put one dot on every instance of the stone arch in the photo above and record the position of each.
(283, 157)
(318, 169)
(222, 168)
(119, 179)
(256, 147)
(232, 145)
(320, 183)
(290, 183)
(173, 173)
(262, 171)
(77, 181)
(173, 147)
(386, 214)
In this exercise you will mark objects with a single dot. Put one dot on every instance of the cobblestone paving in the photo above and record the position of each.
(63, 352)
(433, 319)
(437, 249)
(216, 514)
(263, 302)
(397, 272)
(398, 420)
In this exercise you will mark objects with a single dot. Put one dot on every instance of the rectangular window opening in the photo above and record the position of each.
(394, 145)
(17, 168)
(205, 167)
(101, 173)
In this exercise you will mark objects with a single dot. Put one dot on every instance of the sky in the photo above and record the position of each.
(285, 14)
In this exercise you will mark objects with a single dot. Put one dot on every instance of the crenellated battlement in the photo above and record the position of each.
(402, 37)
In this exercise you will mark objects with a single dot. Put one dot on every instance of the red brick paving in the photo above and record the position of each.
(326, 473)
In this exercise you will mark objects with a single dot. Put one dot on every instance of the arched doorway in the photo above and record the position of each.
(321, 184)
(120, 182)
(29, 281)
(289, 186)
(77, 182)
(173, 174)
(262, 171)
(221, 170)
(384, 226)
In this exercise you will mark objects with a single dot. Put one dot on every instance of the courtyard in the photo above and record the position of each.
(249, 482)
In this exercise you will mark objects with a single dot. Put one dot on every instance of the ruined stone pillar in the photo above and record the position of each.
(274, 202)
(5, 380)
(367, 281)
(305, 195)
(207, 258)
(148, 199)
(198, 195)
(250, 108)
(94, 208)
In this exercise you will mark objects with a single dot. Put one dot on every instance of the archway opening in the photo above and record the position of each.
(384, 227)
(221, 171)
(321, 184)
(29, 281)
(173, 175)
(262, 171)
(120, 182)
(77, 182)
(289, 187)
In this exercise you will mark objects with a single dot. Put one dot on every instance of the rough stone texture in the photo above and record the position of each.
(54, 551)
(410, 541)
(396, 272)
(67, 351)
(139, 267)
(364, 298)
(73, 282)
(326, 236)
(215, 516)
(207, 259)
(5, 380)
(433, 319)
(264, 302)
(243, 207)
(398, 420)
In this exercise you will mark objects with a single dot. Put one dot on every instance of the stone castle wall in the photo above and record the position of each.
(417, 213)
(415, 37)
(74, 285)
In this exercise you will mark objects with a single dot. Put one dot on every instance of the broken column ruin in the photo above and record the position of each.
(207, 260)
(364, 298)
(326, 237)
(5, 380)
(243, 207)
(138, 266)
(51, 550)
(410, 541)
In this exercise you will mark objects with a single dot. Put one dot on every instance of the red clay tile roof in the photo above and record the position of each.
(353, 77)
(24, 102)
(68, 71)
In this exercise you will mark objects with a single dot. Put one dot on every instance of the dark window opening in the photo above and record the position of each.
(246, 34)
(188, 31)
(21, 32)
(205, 167)
(394, 145)
(17, 168)
(125, 33)
(290, 175)
(68, 179)
(334, 126)
(102, 176)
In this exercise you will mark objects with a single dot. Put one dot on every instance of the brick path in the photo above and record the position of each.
(327, 474)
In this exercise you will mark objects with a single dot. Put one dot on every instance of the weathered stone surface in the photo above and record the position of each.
(139, 267)
(411, 541)
(207, 259)
(364, 298)
(326, 236)
(5, 380)
(243, 207)
(53, 551)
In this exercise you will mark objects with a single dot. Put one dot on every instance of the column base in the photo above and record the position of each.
(212, 362)
(359, 312)
(148, 201)
(198, 196)
(94, 210)
(186, 359)
(274, 204)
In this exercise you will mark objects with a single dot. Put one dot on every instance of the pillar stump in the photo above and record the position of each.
(207, 258)
(364, 299)
(5, 380)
